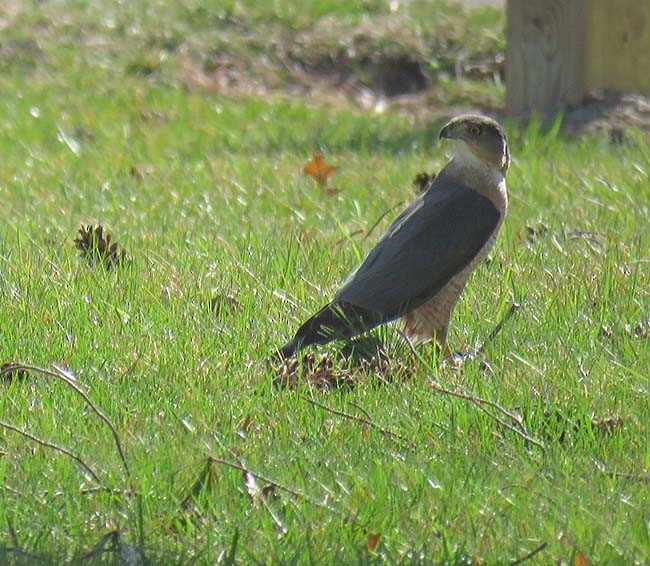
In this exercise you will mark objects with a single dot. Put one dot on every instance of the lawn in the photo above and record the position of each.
(184, 133)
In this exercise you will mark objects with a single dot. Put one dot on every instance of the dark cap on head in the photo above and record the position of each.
(483, 135)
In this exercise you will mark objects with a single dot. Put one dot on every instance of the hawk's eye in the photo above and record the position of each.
(474, 130)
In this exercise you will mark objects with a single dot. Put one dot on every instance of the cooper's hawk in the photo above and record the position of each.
(419, 267)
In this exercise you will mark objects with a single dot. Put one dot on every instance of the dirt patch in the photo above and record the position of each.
(608, 111)
(374, 61)
(371, 54)
(385, 74)
(20, 54)
(425, 60)
(387, 62)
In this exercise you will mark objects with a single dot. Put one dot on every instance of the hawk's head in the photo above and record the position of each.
(483, 136)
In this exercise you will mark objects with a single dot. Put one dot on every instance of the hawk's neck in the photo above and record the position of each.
(474, 173)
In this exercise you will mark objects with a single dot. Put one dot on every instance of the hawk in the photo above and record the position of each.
(419, 267)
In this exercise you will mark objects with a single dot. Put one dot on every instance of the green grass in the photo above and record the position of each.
(221, 206)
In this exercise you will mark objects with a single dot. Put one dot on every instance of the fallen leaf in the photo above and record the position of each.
(580, 559)
(616, 135)
(269, 490)
(373, 539)
(320, 372)
(252, 487)
(154, 116)
(607, 425)
(139, 172)
(536, 230)
(358, 360)
(246, 424)
(423, 181)
(640, 329)
(318, 170)
(222, 305)
(255, 492)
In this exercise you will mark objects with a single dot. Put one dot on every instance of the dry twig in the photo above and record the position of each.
(495, 331)
(68, 378)
(365, 421)
(294, 492)
(529, 555)
(479, 402)
(52, 446)
(383, 215)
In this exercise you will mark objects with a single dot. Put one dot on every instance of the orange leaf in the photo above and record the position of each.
(373, 540)
(580, 560)
(319, 170)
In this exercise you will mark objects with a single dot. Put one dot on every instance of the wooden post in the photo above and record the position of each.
(558, 50)
(618, 45)
(544, 56)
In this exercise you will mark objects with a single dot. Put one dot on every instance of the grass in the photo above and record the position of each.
(205, 192)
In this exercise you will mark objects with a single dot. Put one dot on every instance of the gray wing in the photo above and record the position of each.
(429, 243)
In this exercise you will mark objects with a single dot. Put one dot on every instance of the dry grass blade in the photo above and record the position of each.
(96, 247)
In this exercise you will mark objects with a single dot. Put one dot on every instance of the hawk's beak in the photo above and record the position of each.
(446, 133)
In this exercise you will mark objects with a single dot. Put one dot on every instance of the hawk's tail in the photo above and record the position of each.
(335, 321)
